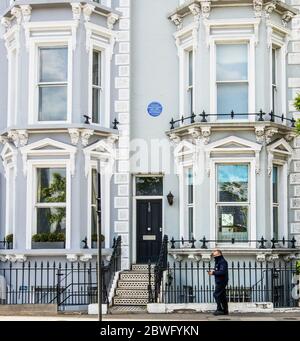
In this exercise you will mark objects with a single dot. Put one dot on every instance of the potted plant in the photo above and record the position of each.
(95, 239)
(9, 241)
(55, 240)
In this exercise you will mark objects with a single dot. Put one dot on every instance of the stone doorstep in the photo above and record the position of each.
(159, 308)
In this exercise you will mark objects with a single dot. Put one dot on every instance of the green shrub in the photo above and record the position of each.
(95, 238)
(297, 102)
(298, 267)
(9, 238)
(49, 237)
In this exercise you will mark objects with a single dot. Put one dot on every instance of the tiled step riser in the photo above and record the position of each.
(134, 277)
(130, 301)
(139, 267)
(131, 294)
(133, 285)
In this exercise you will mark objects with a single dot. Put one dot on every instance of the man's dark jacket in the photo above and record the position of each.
(221, 271)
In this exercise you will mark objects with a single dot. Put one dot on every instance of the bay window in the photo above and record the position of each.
(232, 80)
(53, 83)
(97, 89)
(50, 205)
(233, 202)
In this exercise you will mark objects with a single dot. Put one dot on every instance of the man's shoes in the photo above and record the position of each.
(219, 313)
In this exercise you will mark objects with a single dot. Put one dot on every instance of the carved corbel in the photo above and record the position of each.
(26, 12)
(17, 13)
(72, 258)
(177, 20)
(85, 258)
(111, 140)
(175, 139)
(258, 8)
(269, 8)
(270, 133)
(23, 137)
(112, 18)
(20, 258)
(3, 139)
(286, 18)
(206, 8)
(76, 9)
(206, 134)
(195, 133)
(261, 257)
(6, 23)
(14, 137)
(88, 9)
(74, 135)
(260, 134)
(289, 137)
(85, 136)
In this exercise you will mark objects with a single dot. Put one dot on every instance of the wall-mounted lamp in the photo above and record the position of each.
(170, 198)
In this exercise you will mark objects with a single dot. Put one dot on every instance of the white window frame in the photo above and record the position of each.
(184, 160)
(186, 40)
(218, 152)
(12, 42)
(250, 41)
(252, 201)
(33, 165)
(188, 205)
(9, 157)
(278, 37)
(105, 204)
(103, 40)
(48, 34)
(283, 163)
(34, 63)
(280, 97)
(104, 153)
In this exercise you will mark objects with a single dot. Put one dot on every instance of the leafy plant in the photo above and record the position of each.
(95, 238)
(9, 238)
(55, 193)
(49, 237)
(297, 102)
(298, 267)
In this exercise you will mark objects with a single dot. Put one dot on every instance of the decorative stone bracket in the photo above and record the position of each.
(264, 135)
(18, 137)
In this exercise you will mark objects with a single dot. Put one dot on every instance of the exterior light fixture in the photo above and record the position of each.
(170, 198)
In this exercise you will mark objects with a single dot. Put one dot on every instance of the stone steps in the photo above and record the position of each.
(131, 294)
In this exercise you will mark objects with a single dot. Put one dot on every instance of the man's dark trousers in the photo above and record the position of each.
(221, 298)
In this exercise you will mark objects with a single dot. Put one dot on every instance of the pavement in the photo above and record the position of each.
(280, 316)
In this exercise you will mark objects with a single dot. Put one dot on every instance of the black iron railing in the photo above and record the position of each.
(64, 284)
(5, 245)
(260, 243)
(204, 118)
(159, 269)
(189, 282)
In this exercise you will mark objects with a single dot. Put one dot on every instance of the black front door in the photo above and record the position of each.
(149, 230)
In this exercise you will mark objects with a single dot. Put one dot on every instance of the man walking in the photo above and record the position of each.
(221, 278)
